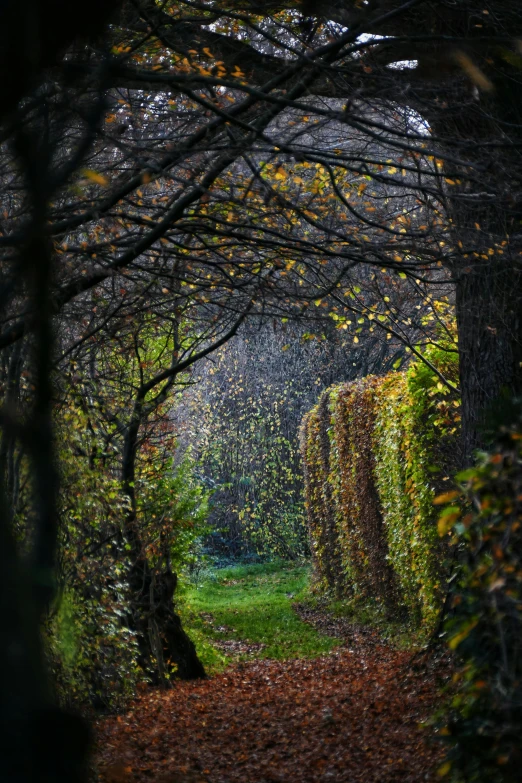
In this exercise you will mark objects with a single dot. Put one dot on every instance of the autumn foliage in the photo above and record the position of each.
(484, 521)
(353, 715)
(375, 453)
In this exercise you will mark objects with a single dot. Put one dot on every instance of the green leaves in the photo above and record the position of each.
(372, 453)
(484, 626)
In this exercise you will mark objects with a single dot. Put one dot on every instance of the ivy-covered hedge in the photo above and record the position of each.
(375, 453)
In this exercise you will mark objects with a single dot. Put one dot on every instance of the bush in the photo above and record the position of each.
(484, 521)
(92, 653)
(375, 453)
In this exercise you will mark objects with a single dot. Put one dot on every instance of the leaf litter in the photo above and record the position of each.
(353, 715)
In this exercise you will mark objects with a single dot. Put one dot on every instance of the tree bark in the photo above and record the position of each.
(163, 644)
(485, 210)
(489, 318)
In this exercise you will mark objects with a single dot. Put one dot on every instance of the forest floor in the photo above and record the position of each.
(296, 694)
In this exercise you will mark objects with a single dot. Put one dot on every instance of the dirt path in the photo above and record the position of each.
(350, 716)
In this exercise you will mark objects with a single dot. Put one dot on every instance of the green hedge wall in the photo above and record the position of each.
(375, 453)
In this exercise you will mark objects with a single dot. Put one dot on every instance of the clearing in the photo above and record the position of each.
(284, 702)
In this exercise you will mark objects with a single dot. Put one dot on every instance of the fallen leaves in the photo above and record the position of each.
(353, 715)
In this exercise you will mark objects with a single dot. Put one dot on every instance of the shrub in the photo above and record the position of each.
(375, 452)
(484, 521)
(91, 651)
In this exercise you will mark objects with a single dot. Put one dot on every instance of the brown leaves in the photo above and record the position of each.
(351, 716)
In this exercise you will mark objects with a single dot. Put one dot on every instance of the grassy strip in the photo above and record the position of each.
(251, 604)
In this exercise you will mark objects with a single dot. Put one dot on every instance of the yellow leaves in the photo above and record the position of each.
(362, 187)
(280, 173)
(95, 176)
(446, 497)
(454, 642)
(473, 72)
(444, 769)
(120, 49)
(448, 518)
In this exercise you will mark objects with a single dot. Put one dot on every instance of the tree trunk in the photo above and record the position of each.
(489, 318)
(485, 208)
(164, 645)
(162, 642)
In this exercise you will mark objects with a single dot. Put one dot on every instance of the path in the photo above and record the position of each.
(349, 716)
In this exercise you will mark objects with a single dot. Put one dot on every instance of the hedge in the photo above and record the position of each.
(483, 521)
(376, 451)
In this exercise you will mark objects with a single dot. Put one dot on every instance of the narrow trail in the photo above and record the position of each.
(352, 715)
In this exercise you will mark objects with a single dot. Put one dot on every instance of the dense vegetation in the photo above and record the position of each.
(484, 522)
(240, 422)
(189, 191)
(375, 452)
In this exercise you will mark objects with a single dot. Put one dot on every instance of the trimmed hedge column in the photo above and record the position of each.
(375, 453)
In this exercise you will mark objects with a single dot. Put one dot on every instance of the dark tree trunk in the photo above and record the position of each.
(163, 644)
(485, 208)
(489, 317)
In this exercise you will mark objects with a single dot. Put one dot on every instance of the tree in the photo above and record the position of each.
(265, 158)
(454, 71)
(242, 418)
(419, 106)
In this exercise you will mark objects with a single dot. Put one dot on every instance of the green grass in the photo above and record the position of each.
(252, 604)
